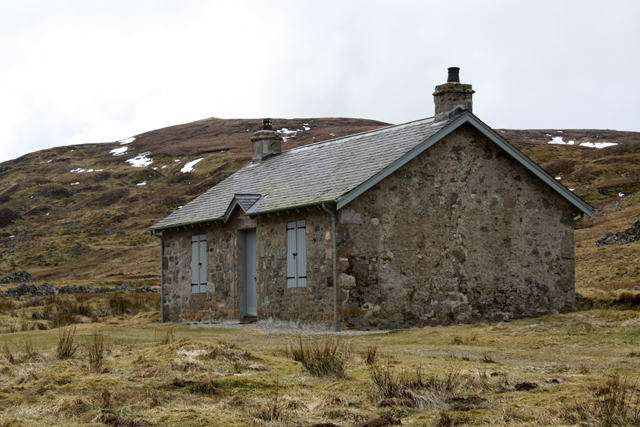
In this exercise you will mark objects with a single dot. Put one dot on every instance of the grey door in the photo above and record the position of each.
(250, 291)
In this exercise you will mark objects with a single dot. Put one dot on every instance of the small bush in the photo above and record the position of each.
(6, 304)
(370, 355)
(66, 343)
(133, 303)
(64, 312)
(6, 352)
(488, 358)
(167, 337)
(323, 359)
(208, 387)
(28, 349)
(95, 351)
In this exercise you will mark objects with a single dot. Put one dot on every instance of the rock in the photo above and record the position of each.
(630, 235)
(121, 234)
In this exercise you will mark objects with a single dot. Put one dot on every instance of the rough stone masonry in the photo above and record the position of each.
(461, 233)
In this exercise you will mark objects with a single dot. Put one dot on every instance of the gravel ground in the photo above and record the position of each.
(281, 327)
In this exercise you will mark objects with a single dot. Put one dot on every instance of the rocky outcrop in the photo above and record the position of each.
(19, 276)
(622, 237)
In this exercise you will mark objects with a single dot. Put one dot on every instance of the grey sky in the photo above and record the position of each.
(98, 71)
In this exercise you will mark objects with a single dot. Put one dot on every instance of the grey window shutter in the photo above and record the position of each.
(202, 258)
(195, 269)
(291, 255)
(301, 258)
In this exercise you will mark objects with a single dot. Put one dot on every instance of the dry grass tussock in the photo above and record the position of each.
(324, 359)
(417, 389)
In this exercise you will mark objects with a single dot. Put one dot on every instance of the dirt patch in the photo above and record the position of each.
(7, 217)
(110, 197)
(382, 421)
(56, 192)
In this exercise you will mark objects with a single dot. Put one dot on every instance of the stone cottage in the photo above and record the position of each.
(436, 221)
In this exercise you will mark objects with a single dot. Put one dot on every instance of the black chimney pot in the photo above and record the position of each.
(266, 124)
(454, 75)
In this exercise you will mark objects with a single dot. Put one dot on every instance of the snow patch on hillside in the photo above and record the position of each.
(598, 144)
(141, 160)
(118, 151)
(188, 167)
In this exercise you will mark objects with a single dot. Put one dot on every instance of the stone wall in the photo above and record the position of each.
(220, 299)
(312, 304)
(461, 233)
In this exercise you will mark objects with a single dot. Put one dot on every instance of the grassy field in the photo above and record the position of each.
(118, 366)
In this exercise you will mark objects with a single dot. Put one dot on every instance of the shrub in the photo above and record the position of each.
(66, 343)
(133, 303)
(323, 359)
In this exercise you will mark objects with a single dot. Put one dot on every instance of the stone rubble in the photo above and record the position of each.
(47, 289)
(19, 276)
(622, 237)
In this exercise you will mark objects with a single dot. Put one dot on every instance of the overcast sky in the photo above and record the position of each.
(98, 71)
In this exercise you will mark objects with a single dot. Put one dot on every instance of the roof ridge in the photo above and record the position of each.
(359, 134)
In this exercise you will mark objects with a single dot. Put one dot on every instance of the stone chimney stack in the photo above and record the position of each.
(452, 95)
(266, 142)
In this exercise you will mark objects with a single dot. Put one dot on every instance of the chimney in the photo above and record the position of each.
(266, 142)
(452, 96)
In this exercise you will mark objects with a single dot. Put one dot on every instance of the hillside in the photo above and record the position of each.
(78, 214)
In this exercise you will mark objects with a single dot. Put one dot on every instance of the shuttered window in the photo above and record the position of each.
(296, 254)
(199, 264)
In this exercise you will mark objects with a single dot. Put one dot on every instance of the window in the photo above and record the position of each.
(296, 254)
(199, 264)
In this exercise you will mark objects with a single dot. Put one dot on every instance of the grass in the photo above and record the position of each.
(577, 368)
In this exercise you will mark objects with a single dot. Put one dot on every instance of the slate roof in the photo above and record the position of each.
(315, 173)
(337, 170)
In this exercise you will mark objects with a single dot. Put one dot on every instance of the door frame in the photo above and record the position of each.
(244, 282)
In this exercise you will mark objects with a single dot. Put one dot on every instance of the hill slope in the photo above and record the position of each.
(79, 213)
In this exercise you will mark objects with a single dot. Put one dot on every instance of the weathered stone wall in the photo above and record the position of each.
(220, 299)
(461, 233)
(311, 304)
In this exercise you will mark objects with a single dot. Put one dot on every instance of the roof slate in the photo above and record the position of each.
(312, 174)
(336, 170)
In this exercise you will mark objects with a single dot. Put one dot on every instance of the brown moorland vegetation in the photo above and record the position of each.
(88, 228)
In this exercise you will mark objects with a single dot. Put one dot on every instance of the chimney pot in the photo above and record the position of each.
(266, 124)
(454, 75)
